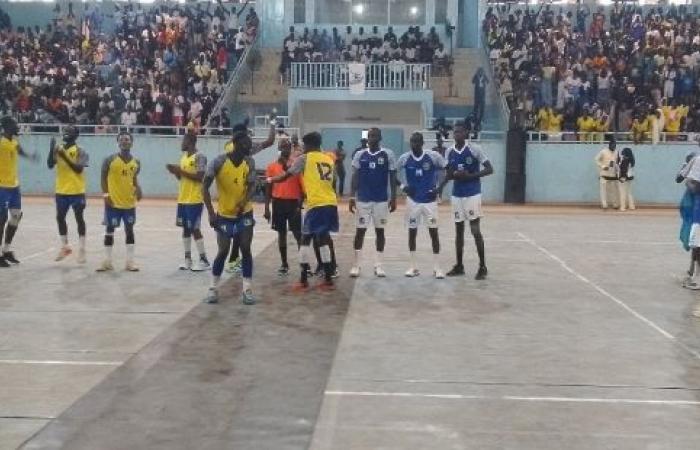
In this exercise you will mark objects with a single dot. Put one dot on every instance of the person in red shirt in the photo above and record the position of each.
(286, 198)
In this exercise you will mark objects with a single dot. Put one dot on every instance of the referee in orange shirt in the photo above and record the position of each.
(286, 198)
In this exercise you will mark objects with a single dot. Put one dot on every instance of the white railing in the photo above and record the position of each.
(430, 137)
(164, 131)
(450, 121)
(377, 76)
(573, 137)
(264, 121)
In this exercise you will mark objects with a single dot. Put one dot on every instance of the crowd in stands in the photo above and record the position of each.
(350, 45)
(162, 66)
(624, 70)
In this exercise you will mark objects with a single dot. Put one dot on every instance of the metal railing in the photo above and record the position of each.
(264, 121)
(162, 131)
(574, 137)
(430, 137)
(377, 76)
(231, 89)
(450, 121)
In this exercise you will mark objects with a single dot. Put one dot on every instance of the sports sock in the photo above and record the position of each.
(358, 254)
(215, 281)
(64, 240)
(378, 258)
(247, 284)
(187, 244)
(199, 243)
(436, 263)
(81, 241)
(108, 253)
(412, 259)
(129, 253)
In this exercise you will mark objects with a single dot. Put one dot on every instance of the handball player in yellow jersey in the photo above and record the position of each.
(321, 218)
(10, 196)
(121, 191)
(70, 162)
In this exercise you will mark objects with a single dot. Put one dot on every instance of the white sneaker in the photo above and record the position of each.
(379, 271)
(200, 266)
(186, 265)
(81, 256)
(355, 272)
(412, 272)
(63, 253)
(106, 266)
(212, 296)
(691, 284)
(131, 267)
(439, 274)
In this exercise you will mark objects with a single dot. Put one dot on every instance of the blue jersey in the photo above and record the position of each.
(373, 174)
(422, 174)
(467, 159)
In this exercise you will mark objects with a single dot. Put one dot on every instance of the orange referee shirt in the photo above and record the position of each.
(289, 189)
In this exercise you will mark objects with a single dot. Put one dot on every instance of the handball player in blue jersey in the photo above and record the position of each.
(466, 165)
(422, 173)
(373, 178)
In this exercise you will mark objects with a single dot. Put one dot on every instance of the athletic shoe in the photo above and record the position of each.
(10, 257)
(200, 266)
(692, 285)
(439, 274)
(212, 296)
(379, 271)
(354, 271)
(247, 297)
(456, 271)
(3, 263)
(300, 287)
(319, 272)
(481, 273)
(131, 267)
(81, 256)
(186, 265)
(204, 262)
(106, 266)
(63, 253)
(326, 286)
(283, 271)
(336, 273)
(412, 272)
(234, 266)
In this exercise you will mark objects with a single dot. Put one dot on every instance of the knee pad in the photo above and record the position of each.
(15, 217)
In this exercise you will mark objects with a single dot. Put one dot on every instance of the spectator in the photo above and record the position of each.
(606, 161)
(340, 167)
(480, 81)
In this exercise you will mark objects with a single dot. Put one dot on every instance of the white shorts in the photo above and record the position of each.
(375, 213)
(466, 208)
(421, 213)
(694, 238)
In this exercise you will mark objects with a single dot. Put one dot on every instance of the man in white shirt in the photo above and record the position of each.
(606, 161)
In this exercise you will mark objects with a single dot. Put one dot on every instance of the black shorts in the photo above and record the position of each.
(286, 212)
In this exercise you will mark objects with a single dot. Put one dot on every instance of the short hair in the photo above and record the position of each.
(7, 121)
(312, 140)
(124, 133)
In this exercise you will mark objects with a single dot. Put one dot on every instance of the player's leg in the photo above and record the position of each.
(234, 260)
(325, 242)
(475, 227)
(435, 242)
(108, 244)
(334, 261)
(15, 208)
(130, 245)
(412, 235)
(304, 260)
(317, 252)
(282, 246)
(223, 243)
(245, 238)
(3, 221)
(282, 213)
(62, 205)
(195, 216)
(380, 215)
(458, 213)
(360, 231)
(79, 213)
(187, 247)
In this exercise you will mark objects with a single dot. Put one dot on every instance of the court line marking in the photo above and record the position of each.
(515, 398)
(59, 362)
(609, 296)
(37, 254)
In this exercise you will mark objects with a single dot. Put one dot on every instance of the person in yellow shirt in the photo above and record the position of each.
(190, 204)
(674, 115)
(543, 118)
(121, 191)
(321, 218)
(585, 125)
(10, 194)
(554, 121)
(234, 175)
(70, 162)
(639, 129)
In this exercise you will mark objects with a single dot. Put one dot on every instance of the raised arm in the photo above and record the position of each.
(266, 143)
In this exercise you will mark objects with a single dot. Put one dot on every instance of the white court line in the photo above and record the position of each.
(60, 363)
(629, 401)
(608, 295)
(34, 255)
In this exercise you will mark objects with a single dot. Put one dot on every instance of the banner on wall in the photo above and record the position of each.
(356, 78)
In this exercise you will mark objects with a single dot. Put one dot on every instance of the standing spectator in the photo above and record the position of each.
(440, 145)
(625, 169)
(606, 160)
(340, 167)
(480, 81)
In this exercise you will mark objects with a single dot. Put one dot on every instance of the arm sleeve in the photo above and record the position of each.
(105, 164)
(252, 174)
(138, 166)
(214, 166)
(298, 166)
(392, 159)
(479, 154)
(438, 159)
(83, 157)
(356, 161)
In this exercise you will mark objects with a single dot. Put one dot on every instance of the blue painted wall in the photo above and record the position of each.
(566, 173)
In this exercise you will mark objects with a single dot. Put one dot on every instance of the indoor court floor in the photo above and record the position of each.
(581, 338)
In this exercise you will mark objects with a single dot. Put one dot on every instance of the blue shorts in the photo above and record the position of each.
(10, 198)
(232, 227)
(321, 220)
(115, 216)
(189, 216)
(66, 202)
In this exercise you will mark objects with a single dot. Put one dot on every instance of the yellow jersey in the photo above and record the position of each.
(190, 191)
(317, 169)
(68, 181)
(554, 122)
(586, 124)
(232, 184)
(9, 155)
(121, 176)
